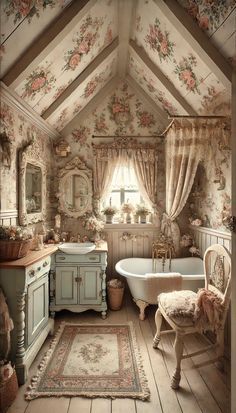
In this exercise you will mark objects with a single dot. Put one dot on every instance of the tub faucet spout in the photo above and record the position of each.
(162, 249)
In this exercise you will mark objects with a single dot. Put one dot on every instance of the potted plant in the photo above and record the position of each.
(127, 208)
(109, 212)
(15, 242)
(142, 211)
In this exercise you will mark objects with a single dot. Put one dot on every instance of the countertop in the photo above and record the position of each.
(34, 256)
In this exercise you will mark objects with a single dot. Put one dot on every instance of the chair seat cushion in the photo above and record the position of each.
(179, 306)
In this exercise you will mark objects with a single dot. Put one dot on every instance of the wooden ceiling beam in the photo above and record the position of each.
(47, 41)
(126, 11)
(91, 106)
(81, 78)
(197, 39)
(142, 57)
(147, 101)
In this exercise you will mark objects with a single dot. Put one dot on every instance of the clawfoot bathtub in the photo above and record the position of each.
(145, 285)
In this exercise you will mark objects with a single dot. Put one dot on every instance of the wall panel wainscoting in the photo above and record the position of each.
(128, 240)
(204, 237)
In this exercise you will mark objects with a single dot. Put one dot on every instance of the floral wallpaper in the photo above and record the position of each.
(20, 131)
(217, 20)
(70, 57)
(172, 54)
(22, 22)
(153, 87)
(84, 93)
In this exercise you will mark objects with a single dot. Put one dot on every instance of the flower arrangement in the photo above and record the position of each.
(127, 208)
(196, 222)
(110, 210)
(186, 240)
(15, 233)
(15, 242)
(142, 210)
(194, 250)
(91, 223)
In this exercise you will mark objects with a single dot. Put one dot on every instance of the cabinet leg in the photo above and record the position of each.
(104, 315)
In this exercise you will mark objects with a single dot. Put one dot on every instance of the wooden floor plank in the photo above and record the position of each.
(210, 375)
(123, 405)
(154, 405)
(79, 404)
(49, 405)
(101, 406)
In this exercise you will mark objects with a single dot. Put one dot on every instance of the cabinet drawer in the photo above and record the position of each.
(74, 258)
(38, 269)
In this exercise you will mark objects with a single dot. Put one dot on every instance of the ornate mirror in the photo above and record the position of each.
(32, 186)
(75, 188)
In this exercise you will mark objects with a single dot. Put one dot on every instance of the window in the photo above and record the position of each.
(124, 188)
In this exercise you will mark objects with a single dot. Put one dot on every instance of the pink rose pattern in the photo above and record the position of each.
(81, 136)
(85, 40)
(40, 80)
(159, 41)
(208, 14)
(145, 119)
(27, 8)
(186, 75)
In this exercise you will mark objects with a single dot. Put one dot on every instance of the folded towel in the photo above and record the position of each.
(166, 281)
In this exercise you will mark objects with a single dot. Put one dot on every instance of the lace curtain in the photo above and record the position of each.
(126, 152)
(184, 150)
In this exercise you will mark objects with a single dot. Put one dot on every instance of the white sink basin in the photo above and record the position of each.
(77, 247)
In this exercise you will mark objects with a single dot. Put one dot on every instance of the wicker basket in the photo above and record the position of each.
(8, 392)
(12, 250)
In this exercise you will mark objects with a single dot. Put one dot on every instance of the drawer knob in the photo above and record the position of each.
(62, 258)
(92, 258)
(31, 273)
(39, 268)
(45, 264)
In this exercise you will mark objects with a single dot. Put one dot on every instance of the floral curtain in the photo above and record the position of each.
(184, 150)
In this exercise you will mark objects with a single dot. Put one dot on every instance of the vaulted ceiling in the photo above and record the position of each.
(63, 57)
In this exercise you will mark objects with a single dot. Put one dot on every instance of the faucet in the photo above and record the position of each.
(163, 248)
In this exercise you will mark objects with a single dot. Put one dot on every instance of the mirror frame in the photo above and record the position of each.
(31, 155)
(75, 167)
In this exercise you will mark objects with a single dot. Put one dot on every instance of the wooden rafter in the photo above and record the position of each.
(142, 57)
(196, 38)
(160, 114)
(47, 41)
(93, 103)
(125, 18)
(81, 78)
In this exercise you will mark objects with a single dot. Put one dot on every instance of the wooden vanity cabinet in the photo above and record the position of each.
(25, 283)
(78, 282)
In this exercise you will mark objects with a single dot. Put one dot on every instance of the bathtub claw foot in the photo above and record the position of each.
(142, 305)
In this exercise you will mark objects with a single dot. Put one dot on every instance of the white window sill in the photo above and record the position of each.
(125, 226)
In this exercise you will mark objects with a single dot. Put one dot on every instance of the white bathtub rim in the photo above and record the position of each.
(143, 277)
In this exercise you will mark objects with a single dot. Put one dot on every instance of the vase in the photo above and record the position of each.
(143, 219)
(128, 218)
(136, 219)
(109, 219)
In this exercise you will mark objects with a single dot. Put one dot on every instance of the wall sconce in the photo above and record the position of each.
(62, 148)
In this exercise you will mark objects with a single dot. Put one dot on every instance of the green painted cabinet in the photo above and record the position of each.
(78, 282)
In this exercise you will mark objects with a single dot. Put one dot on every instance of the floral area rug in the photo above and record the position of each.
(91, 361)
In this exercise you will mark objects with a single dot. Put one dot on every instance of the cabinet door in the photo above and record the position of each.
(37, 309)
(90, 285)
(66, 285)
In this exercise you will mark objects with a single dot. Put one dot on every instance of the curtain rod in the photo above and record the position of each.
(126, 136)
(198, 117)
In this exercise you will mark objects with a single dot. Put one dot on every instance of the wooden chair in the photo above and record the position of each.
(217, 268)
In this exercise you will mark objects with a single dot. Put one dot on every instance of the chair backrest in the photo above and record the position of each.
(217, 267)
